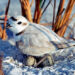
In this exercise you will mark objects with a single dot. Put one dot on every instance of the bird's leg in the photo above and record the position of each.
(50, 59)
(43, 59)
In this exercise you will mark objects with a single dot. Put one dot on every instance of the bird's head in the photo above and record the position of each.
(17, 24)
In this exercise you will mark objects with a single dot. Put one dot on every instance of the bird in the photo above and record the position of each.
(34, 39)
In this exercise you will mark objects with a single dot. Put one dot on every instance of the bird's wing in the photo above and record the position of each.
(48, 32)
(38, 41)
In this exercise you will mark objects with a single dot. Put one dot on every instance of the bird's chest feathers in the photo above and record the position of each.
(17, 38)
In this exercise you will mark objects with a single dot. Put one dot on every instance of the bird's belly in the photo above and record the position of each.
(34, 49)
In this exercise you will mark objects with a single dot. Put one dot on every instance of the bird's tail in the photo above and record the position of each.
(63, 45)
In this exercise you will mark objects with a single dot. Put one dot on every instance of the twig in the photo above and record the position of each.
(43, 4)
(1, 22)
(3, 16)
(66, 24)
(45, 24)
(5, 21)
(51, 4)
(66, 17)
(31, 3)
(2, 19)
(26, 10)
(59, 16)
(46, 6)
(60, 8)
(54, 12)
(37, 13)
(1, 30)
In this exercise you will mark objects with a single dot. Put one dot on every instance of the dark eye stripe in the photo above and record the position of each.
(13, 18)
(19, 22)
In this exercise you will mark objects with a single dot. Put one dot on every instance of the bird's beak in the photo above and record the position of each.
(8, 26)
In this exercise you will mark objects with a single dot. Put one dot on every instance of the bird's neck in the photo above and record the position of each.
(18, 36)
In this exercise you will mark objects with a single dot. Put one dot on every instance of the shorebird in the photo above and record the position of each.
(34, 39)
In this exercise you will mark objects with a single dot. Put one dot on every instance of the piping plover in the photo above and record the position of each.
(34, 39)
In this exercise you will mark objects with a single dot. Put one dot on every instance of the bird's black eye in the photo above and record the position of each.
(19, 22)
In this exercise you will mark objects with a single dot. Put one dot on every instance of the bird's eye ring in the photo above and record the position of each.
(19, 22)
